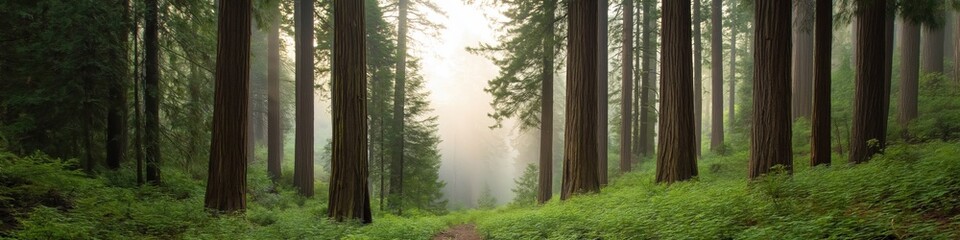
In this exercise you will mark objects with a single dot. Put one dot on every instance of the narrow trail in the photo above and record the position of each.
(459, 232)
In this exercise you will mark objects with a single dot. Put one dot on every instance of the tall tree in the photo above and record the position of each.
(548, 21)
(117, 114)
(909, 70)
(697, 76)
(646, 83)
(227, 175)
(580, 138)
(731, 114)
(868, 134)
(303, 152)
(820, 131)
(522, 90)
(602, 87)
(677, 157)
(274, 132)
(626, 86)
(933, 44)
(638, 78)
(716, 62)
(349, 196)
(803, 17)
(396, 165)
(151, 98)
(770, 143)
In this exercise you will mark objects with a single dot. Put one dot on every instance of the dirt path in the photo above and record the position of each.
(459, 232)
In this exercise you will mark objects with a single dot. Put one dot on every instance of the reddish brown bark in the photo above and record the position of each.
(227, 175)
(770, 143)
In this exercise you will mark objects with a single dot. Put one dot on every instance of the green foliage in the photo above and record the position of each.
(487, 200)
(939, 107)
(889, 197)
(525, 188)
(520, 55)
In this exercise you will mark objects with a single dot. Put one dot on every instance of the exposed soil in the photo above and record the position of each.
(459, 232)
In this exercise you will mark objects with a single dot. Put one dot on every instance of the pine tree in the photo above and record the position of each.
(152, 91)
(525, 91)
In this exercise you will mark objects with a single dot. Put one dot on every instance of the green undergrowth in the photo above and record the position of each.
(912, 191)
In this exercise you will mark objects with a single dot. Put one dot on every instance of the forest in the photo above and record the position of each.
(480, 119)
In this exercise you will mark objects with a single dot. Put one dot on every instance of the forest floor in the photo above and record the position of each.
(910, 192)
(459, 232)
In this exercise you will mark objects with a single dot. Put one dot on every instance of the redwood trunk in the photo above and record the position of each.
(645, 81)
(227, 175)
(602, 87)
(868, 135)
(151, 98)
(802, 59)
(677, 157)
(909, 71)
(626, 86)
(820, 152)
(731, 113)
(716, 55)
(303, 152)
(395, 201)
(638, 86)
(932, 49)
(697, 77)
(349, 196)
(580, 138)
(771, 132)
(274, 132)
(545, 181)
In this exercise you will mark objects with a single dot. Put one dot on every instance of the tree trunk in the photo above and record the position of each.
(802, 59)
(868, 133)
(580, 138)
(889, 23)
(396, 165)
(251, 124)
(932, 49)
(602, 88)
(117, 115)
(645, 89)
(956, 54)
(274, 132)
(677, 157)
(545, 181)
(349, 196)
(731, 113)
(227, 175)
(137, 89)
(716, 49)
(909, 71)
(303, 149)
(771, 132)
(152, 92)
(638, 87)
(697, 77)
(820, 131)
(626, 87)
